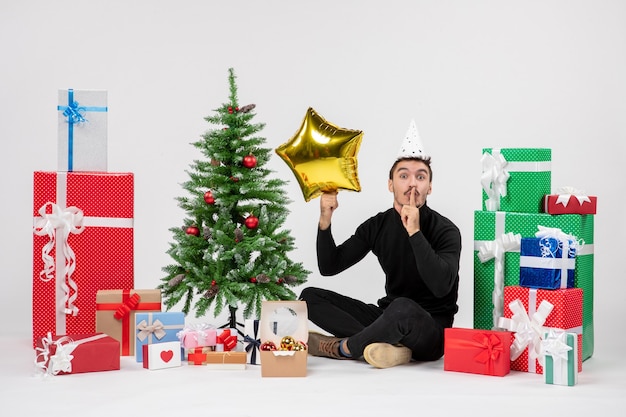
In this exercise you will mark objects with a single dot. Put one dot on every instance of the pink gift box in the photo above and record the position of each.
(200, 335)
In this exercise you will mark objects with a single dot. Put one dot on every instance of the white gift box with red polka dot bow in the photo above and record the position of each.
(82, 243)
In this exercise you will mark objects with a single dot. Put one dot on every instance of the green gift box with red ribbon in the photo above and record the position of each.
(497, 262)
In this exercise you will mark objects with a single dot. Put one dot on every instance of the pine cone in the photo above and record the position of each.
(290, 279)
(238, 235)
(206, 233)
(262, 279)
(211, 292)
(247, 108)
(176, 280)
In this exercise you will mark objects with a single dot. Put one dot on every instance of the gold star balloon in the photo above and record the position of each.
(322, 156)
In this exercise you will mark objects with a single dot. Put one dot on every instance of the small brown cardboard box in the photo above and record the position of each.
(280, 319)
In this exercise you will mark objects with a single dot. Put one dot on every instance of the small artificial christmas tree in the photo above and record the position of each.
(231, 250)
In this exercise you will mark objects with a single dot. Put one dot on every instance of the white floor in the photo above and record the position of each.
(331, 388)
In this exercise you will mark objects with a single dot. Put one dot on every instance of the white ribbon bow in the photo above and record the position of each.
(565, 193)
(63, 221)
(145, 330)
(494, 178)
(61, 360)
(528, 330)
(555, 345)
(199, 331)
(495, 249)
(569, 244)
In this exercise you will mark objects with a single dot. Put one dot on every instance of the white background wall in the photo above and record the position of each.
(473, 74)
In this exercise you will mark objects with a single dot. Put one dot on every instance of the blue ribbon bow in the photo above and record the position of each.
(74, 114)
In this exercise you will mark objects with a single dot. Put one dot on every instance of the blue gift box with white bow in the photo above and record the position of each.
(151, 328)
(547, 263)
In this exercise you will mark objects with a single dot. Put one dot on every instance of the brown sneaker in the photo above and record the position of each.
(323, 345)
(384, 355)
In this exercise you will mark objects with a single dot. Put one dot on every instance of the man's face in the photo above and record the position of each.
(408, 177)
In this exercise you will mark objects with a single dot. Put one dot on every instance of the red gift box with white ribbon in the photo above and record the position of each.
(82, 242)
(77, 353)
(530, 312)
(568, 200)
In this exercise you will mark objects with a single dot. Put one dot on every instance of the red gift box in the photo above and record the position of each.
(226, 341)
(77, 353)
(562, 309)
(82, 243)
(569, 202)
(475, 351)
(198, 355)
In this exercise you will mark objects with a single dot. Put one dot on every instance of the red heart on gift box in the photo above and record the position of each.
(167, 355)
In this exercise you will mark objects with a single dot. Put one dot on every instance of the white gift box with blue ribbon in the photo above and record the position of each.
(548, 260)
(82, 130)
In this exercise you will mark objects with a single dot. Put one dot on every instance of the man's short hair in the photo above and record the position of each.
(425, 160)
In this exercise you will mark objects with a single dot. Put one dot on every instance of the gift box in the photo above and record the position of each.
(197, 355)
(569, 201)
(116, 310)
(226, 340)
(82, 243)
(252, 341)
(82, 130)
(77, 353)
(515, 179)
(530, 312)
(228, 360)
(475, 351)
(161, 355)
(198, 335)
(152, 328)
(560, 352)
(497, 262)
(547, 263)
(280, 319)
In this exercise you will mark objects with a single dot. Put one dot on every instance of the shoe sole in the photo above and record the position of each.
(384, 355)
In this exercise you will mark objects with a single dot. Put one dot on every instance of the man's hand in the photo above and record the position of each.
(328, 205)
(410, 215)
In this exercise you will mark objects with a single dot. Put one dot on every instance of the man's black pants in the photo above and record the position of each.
(403, 322)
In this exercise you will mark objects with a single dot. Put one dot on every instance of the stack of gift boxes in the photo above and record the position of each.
(533, 273)
(86, 313)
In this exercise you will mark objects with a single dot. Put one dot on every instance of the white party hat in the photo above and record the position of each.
(412, 146)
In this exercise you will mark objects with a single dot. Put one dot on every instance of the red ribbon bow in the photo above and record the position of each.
(229, 341)
(491, 348)
(125, 308)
